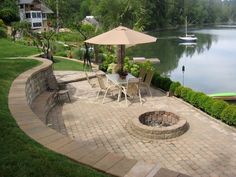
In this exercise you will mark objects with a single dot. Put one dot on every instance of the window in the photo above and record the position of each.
(37, 24)
(27, 15)
(44, 15)
(21, 6)
(39, 15)
(34, 15)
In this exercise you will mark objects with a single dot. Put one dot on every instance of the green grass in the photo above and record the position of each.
(14, 49)
(20, 156)
(67, 65)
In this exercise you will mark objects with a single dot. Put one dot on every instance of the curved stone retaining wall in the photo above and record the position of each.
(36, 83)
(25, 88)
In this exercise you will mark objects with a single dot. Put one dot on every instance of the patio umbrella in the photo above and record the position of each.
(121, 36)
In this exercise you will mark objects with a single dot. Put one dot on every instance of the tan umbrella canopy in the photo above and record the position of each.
(121, 36)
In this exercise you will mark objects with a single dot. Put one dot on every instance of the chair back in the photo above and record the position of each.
(87, 77)
(142, 74)
(115, 68)
(101, 82)
(148, 78)
(133, 86)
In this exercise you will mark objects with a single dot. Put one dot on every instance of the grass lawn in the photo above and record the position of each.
(20, 156)
(12, 49)
(67, 64)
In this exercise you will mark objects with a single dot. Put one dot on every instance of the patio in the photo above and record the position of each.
(208, 148)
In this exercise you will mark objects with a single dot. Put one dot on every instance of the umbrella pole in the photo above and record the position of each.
(120, 56)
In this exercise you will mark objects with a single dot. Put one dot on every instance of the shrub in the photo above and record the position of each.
(3, 29)
(178, 91)
(3, 32)
(147, 65)
(69, 37)
(201, 100)
(101, 57)
(127, 64)
(134, 70)
(207, 105)
(184, 92)
(155, 79)
(78, 54)
(228, 115)
(173, 86)
(166, 82)
(161, 82)
(194, 98)
(217, 108)
(2, 24)
(8, 15)
(189, 95)
(62, 53)
(108, 59)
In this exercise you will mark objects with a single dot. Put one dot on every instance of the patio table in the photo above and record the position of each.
(115, 79)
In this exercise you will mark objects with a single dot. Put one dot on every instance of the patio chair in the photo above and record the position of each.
(105, 88)
(89, 81)
(147, 82)
(132, 89)
(52, 85)
(142, 74)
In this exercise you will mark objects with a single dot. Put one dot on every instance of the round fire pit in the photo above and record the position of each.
(158, 125)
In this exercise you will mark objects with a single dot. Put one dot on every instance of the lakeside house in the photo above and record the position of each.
(35, 12)
(90, 20)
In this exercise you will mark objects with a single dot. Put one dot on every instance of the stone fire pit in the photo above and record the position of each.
(158, 125)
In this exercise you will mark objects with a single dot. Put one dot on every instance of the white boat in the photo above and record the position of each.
(187, 37)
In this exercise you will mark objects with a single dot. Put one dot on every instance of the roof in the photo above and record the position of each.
(45, 9)
(25, 1)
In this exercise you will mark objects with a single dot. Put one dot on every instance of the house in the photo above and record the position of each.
(35, 12)
(90, 20)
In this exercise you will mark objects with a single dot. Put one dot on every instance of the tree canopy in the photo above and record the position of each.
(139, 14)
(147, 14)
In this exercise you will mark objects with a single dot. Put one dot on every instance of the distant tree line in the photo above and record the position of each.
(147, 14)
(139, 14)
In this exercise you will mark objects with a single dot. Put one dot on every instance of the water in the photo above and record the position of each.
(210, 64)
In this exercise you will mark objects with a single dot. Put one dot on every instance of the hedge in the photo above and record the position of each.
(218, 109)
(228, 115)
(161, 82)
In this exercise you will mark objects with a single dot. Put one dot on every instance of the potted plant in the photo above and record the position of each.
(122, 73)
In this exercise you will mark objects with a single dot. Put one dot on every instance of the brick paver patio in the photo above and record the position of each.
(208, 148)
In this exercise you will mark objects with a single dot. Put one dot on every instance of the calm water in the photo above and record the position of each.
(210, 64)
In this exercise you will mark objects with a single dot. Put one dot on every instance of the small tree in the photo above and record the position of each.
(87, 31)
(22, 27)
(43, 42)
(8, 15)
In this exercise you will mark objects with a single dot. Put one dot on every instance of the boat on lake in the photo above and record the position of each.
(187, 37)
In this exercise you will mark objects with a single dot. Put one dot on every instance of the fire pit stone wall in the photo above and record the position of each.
(158, 125)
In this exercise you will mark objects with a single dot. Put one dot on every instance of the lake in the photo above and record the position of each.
(210, 64)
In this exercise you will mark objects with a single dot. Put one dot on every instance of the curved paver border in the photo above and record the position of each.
(79, 151)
